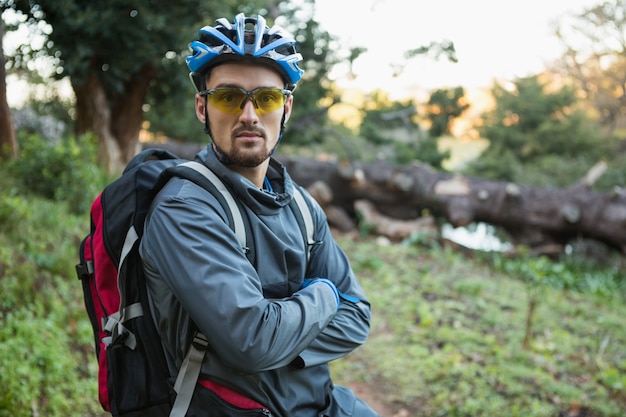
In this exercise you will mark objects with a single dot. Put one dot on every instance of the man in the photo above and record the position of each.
(273, 320)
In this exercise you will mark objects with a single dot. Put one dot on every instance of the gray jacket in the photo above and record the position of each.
(270, 340)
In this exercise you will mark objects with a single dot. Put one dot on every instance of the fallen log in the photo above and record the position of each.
(531, 216)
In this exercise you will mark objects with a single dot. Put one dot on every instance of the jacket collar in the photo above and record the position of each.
(260, 201)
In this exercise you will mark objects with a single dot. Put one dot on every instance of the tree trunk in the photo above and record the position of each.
(93, 114)
(8, 142)
(127, 112)
(114, 118)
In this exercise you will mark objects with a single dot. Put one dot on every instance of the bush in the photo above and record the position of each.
(46, 360)
(62, 171)
(37, 361)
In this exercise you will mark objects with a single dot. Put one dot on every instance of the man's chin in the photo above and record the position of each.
(243, 157)
(248, 161)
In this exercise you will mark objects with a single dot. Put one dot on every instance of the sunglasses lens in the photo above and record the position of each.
(232, 100)
(268, 100)
(227, 99)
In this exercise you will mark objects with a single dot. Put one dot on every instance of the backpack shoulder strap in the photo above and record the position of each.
(188, 375)
(307, 226)
(192, 364)
(231, 204)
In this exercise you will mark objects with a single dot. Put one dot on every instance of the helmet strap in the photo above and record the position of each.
(280, 135)
(220, 155)
(207, 127)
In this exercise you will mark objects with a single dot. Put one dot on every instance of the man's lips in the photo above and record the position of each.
(249, 136)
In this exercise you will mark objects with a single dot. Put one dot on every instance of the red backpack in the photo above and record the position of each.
(133, 375)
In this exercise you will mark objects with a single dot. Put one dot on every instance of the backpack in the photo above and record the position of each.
(133, 374)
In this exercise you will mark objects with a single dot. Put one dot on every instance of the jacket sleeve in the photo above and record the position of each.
(189, 246)
(350, 327)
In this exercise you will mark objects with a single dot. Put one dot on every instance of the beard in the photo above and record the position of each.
(241, 155)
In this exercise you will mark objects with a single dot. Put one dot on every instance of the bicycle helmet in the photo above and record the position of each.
(228, 41)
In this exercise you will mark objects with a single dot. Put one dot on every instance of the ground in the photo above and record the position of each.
(375, 399)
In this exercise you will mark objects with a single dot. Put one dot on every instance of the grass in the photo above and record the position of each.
(447, 340)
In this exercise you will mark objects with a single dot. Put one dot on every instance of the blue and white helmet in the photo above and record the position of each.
(228, 41)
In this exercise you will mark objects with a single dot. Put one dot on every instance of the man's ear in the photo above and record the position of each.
(288, 107)
(200, 107)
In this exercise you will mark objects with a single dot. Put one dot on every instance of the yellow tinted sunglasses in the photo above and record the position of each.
(233, 99)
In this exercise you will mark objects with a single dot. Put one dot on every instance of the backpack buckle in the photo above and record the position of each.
(84, 269)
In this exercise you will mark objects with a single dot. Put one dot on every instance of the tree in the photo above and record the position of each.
(530, 125)
(434, 50)
(8, 143)
(393, 134)
(443, 107)
(314, 94)
(112, 52)
(138, 72)
(595, 58)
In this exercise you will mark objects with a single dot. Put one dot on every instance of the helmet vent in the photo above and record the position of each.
(210, 40)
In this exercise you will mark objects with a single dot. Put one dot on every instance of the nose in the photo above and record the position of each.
(248, 112)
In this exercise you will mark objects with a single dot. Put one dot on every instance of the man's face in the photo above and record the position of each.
(245, 137)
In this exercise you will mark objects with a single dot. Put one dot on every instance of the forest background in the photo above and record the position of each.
(484, 333)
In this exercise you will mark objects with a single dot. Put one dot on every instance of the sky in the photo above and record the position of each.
(494, 39)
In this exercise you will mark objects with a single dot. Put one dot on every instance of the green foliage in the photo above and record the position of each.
(426, 151)
(595, 59)
(602, 277)
(37, 357)
(538, 137)
(43, 334)
(445, 105)
(62, 171)
(434, 49)
(391, 133)
(615, 176)
(36, 120)
(171, 104)
(126, 50)
(382, 116)
(319, 55)
(114, 39)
